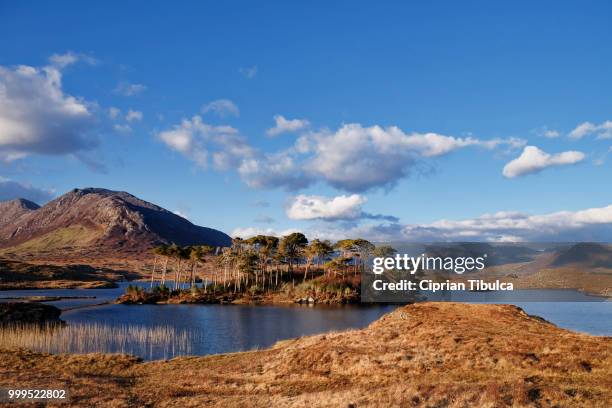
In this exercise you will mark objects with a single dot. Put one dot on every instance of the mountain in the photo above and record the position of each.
(585, 254)
(98, 222)
(497, 254)
(12, 210)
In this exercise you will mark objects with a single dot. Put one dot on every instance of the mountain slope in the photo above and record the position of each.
(95, 221)
(11, 210)
(589, 254)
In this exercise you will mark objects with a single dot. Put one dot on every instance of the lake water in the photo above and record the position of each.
(230, 328)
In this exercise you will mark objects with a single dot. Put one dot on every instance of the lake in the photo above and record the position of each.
(228, 328)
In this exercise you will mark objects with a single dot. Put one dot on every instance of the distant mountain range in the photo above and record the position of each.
(525, 257)
(96, 221)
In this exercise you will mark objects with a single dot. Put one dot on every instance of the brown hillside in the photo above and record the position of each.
(96, 222)
(11, 211)
(586, 254)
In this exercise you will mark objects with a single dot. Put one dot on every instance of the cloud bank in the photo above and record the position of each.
(592, 224)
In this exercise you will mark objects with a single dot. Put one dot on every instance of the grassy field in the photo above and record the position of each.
(428, 354)
(70, 237)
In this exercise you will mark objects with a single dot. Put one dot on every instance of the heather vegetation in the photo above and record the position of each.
(261, 268)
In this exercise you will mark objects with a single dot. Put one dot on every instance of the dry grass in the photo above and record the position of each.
(88, 338)
(592, 281)
(429, 354)
(596, 281)
(61, 238)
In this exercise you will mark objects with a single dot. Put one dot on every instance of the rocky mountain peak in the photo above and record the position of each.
(105, 219)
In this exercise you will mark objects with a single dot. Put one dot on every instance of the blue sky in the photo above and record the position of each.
(397, 115)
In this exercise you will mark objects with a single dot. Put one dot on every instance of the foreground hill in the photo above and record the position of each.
(95, 222)
(428, 354)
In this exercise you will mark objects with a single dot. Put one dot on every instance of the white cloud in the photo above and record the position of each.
(283, 125)
(273, 170)
(357, 158)
(129, 89)
(353, 158)
(198, 140)
(340, 208)
(63, 60)
(113, 112)
(602, 131)
(544, 131)
(222, 108)
(534, 160)
(589, 224)
(249, 72)
(181, 214)
(249, 232)
(183, 139)
(60, 61)
(133, 115)
(582, 130)
(10, 190)
(122, 128)
(303, 207)
(37, 117)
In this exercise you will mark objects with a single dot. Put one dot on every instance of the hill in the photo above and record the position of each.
(584, 266)
(93, 222)
(586, 254)
(12, 210)
(426, 354)
(497, 254)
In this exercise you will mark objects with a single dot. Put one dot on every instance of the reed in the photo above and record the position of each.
(147, 342)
